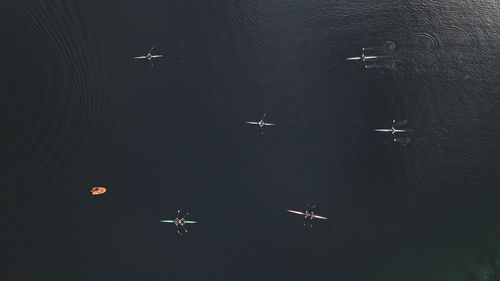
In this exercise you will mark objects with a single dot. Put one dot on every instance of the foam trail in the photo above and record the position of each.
(401, 122)
(403, 141)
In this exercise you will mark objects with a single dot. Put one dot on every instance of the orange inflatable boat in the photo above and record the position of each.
(98, 190)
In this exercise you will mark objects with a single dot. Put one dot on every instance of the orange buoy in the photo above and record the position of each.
(98, 190)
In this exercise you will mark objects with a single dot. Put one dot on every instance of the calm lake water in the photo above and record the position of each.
(78, 111)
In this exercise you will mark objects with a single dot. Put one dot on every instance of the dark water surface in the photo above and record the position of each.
(77, 112)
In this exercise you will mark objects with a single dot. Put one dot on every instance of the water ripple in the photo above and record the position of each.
(60, 133)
